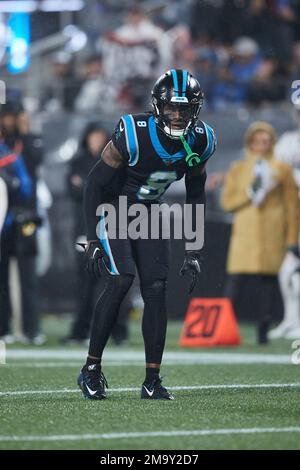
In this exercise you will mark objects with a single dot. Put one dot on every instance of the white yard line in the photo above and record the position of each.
(120, 356)
(77, 364)
(136, 389)
(130, 435)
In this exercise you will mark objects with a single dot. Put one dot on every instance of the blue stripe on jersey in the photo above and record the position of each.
(131, 139)
(184, 81)
(211, 142)
(175, 81)
(161, 152)
(105, 243)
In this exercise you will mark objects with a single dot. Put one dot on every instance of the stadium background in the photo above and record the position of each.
(192, 34)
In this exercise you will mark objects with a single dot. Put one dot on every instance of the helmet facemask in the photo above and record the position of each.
(175, 119)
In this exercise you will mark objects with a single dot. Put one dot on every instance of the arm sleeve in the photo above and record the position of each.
(195, 188)
(234, 196)
(98, 179)
(195, 193)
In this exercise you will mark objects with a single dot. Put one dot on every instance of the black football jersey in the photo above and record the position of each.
(153, 161)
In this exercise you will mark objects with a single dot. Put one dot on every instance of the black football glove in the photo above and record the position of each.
(96, 258)
(192, 263)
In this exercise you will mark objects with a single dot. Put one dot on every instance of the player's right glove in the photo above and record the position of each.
(192, 264)
(96, 258)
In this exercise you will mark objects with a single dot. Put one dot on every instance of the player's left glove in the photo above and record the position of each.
(192, 263)
(96, 258)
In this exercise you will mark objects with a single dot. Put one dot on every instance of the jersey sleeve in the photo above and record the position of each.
(125, 139)
(119, 139)
(206, 142)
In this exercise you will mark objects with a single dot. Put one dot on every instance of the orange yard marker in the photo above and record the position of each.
(210, 322)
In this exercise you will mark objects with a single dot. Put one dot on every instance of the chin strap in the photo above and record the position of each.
(192, 158)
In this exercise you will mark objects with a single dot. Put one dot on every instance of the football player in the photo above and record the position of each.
(148, 151)
(288, 151)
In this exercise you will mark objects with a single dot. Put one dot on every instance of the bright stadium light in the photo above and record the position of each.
(59, 5)
(19, 42)
(77, 38)
(22, 6)
(29, 6)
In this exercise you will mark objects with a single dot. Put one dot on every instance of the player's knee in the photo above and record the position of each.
(123, 282)
(153, 289)
(119, 284)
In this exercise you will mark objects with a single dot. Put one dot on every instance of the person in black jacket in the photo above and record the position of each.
(15, 129)
(16, 189)
(30, 146)
(93, 142)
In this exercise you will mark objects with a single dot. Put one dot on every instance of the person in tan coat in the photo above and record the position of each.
(262, 194)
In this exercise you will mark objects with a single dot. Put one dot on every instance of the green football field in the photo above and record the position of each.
(245, 397)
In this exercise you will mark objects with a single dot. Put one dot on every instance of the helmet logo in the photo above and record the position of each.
(179, 99)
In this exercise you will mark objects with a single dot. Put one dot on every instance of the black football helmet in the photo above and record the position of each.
(177, 99)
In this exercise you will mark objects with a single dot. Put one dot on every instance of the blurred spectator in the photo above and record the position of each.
(272, 24)
(205, 70)
(268, 84)
(295, 68)
(233, 20)
(8, 116)
(23, 236)
(204, 20)
(63, 87)
(13, 172)
(287, 150)
(93, 142)
(98, 93)
(235, 77)
(30, 146)
(135, 53)
(263, 196)
(296, 9)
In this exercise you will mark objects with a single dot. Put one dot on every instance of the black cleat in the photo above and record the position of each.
(155, 391)
(92, 382)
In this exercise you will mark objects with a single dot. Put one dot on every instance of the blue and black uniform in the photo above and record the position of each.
(151, 163)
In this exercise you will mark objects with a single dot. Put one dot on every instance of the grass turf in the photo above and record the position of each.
(211, 409)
